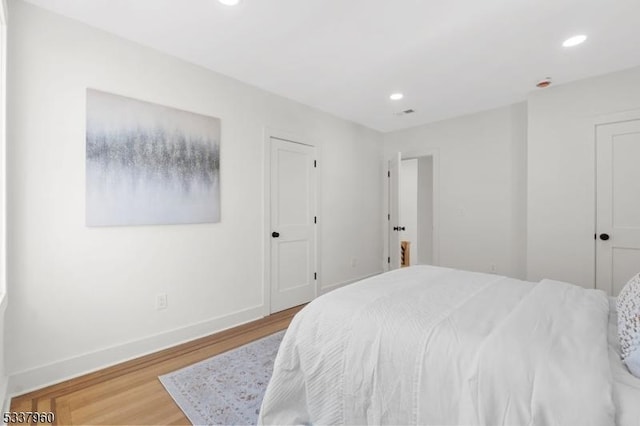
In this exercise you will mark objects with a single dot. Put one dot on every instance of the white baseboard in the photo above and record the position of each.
(4, 380)
(332, 287)
(39, 377)
(4, 396)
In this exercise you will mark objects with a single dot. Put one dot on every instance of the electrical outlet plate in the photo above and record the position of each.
(161, 301)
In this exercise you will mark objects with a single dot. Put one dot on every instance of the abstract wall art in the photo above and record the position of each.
(148, 164)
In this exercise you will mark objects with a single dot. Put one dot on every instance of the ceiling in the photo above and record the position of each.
(345, 57)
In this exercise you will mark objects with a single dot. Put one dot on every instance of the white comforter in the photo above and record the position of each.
(437, 346)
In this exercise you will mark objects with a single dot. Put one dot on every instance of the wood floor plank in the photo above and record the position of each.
(44, 405)
(63, 413)
(21, 405)
(113, 411)
(131, 393)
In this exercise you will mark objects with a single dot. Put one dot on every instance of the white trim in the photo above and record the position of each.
(329, 288)
(320, 216)
(6, 402)
(3, 306)
(3, 12)
(5, 399)
(266, 225)
(39, 377)
(4, 380)
(266, 197)
(617, 117)
(386, 189)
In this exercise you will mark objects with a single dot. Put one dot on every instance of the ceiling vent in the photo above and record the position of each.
(405, 112)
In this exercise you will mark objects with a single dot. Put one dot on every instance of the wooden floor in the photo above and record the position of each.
(130, 393)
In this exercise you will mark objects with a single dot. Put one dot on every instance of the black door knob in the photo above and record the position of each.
(395, 228)
(275, 234)
(401, 228)
(604, 237)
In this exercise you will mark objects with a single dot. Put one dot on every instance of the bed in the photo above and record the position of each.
(626, 388)
(439, 346)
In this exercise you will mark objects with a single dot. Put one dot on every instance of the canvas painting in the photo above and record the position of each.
(148, 164)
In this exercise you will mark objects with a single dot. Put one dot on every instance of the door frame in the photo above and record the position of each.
(292, 137)
(394, 259)
(602, 120)
(434, 153)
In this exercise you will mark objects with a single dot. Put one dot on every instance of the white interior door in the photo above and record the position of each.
(293, 239)
(394, 211)
(618, 205)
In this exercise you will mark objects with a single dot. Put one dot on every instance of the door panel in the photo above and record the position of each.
(292, 187)
(625, 265)
(292, 220)
(626, 180)
(293, 264)
(618, 204)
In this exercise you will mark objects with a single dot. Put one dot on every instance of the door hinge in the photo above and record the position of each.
(388, 260)
(315, 275)
(315, 219)
(389, 217)
(388, 173)
(315, 164)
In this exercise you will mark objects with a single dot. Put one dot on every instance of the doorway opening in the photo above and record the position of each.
(416, 197)
(412, 235)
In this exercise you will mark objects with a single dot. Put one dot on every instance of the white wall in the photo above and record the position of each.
(561, 172)
(409, 206)
(3, 240)
(425, 210)
(85, 297)
(480, 190)
(518, 184)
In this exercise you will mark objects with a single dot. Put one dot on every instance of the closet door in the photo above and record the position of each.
(618, 204)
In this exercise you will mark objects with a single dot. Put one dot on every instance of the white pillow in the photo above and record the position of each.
(628, 307)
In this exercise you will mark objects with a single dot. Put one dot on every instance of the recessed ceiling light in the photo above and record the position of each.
(574, 41)
(396, 96)
(229, 2)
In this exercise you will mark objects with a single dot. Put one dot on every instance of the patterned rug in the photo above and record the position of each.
(228, 388)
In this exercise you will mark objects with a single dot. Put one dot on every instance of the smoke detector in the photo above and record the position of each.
(545, 82)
